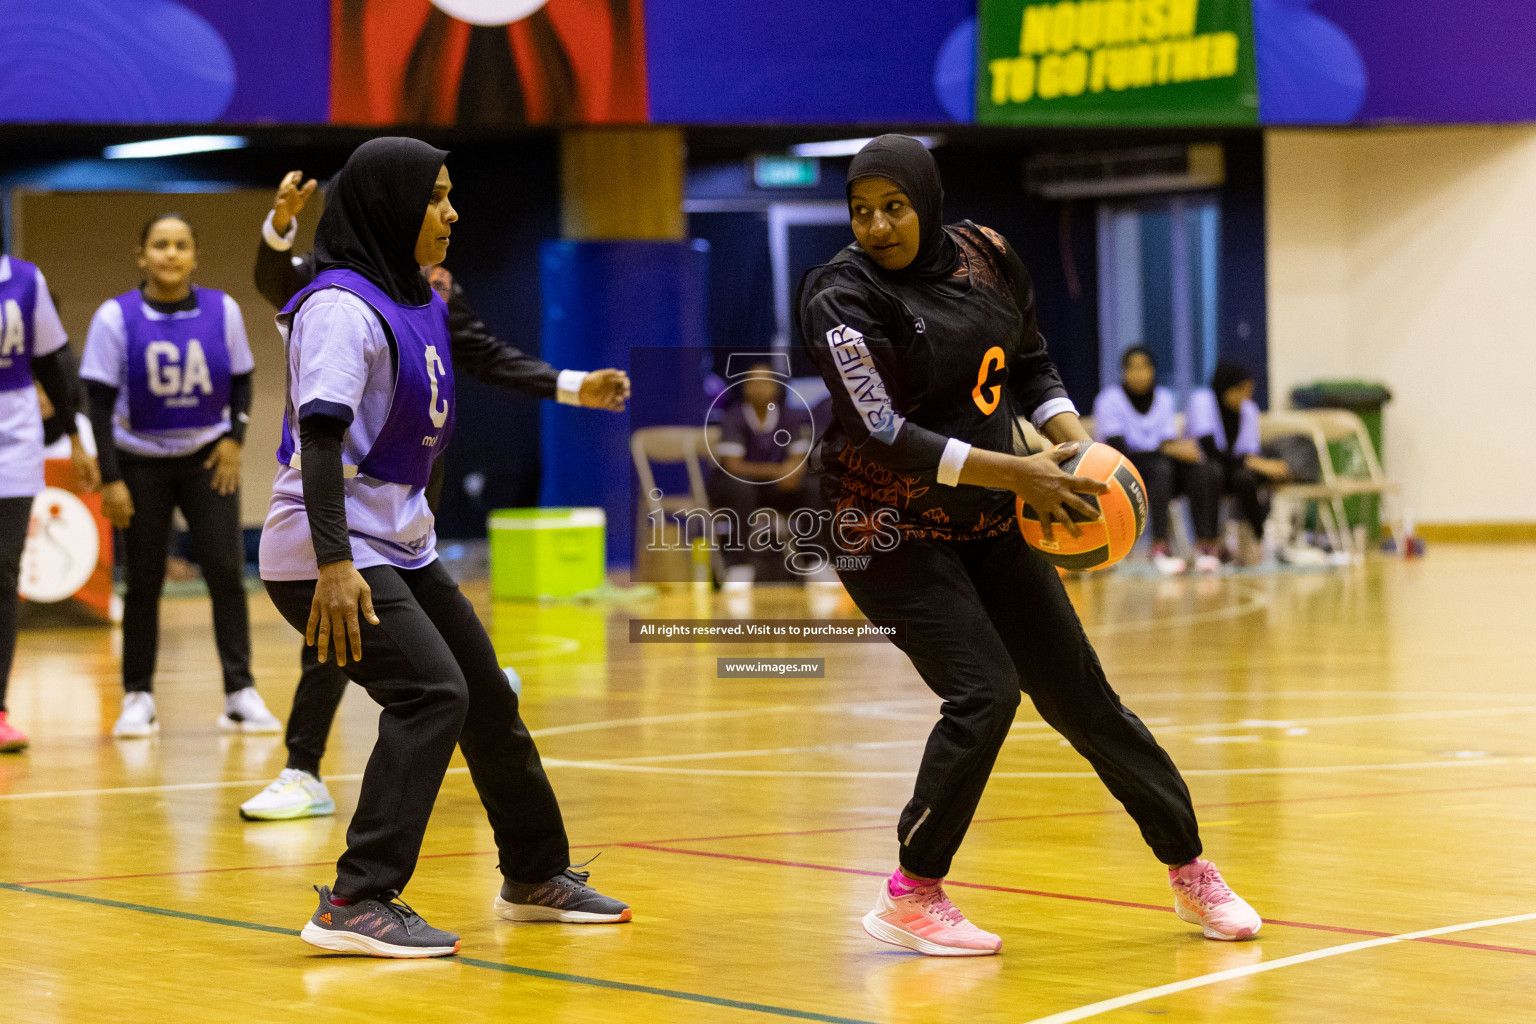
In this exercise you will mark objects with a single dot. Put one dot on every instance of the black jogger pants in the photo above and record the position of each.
(431, 667)
(985, 621)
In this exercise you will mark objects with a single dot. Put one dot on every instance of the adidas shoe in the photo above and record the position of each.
(924, 920)
(1201, 897)
(566, 898)
(380, 926)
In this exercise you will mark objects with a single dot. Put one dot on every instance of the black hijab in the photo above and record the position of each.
(1228, 375)
(373, 213)
(908, 163)
(1142, 402)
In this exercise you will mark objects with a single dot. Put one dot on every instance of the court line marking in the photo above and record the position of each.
(789, 773)
(1101, 900)
(614, 766)
(857, 706)
(829, 748)
(492, 965)
(786, 833)
(1254, 601)
(662, 846)
(1147, 994)
(619, 766)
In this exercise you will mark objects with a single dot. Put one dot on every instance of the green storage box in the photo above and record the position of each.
(545, 552)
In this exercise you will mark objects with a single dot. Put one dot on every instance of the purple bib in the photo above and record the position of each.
(420, 419)
(18, 302)
(178, 367)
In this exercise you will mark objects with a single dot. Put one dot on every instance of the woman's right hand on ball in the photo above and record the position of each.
(1051, 491)
(116, 504)
(341, 594)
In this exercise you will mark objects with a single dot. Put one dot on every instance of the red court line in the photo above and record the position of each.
(835, 830)
(1055, 895)
(1101, 813)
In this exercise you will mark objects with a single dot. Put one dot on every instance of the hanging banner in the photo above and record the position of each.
(1431, 61)
(808, 61)
(487, 63)
(1116, 62)
(163, 61)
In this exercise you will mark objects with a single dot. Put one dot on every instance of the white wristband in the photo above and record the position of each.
(952, 461)
(283, 242)
(1050, 410)
(568, 386)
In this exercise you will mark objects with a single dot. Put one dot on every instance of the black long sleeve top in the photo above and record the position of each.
(919, 369)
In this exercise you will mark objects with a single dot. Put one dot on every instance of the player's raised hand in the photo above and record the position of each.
(290, 199)
(605, 389)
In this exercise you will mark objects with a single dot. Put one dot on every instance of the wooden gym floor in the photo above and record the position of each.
(1360, 746)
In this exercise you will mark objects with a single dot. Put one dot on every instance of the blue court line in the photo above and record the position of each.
(489, 965)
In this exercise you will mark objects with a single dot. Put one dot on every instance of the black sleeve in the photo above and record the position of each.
(103, 398)
(277, 278)
(58, 375)
(1033, 379)
(487, 358)
(848, 342)
(324, 491)
(240, 389)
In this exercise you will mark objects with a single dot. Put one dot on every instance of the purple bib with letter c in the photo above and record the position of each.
(420, 419)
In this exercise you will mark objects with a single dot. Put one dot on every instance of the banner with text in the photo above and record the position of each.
(1116, 62)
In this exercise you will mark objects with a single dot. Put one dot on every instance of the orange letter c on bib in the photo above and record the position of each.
(987, 397)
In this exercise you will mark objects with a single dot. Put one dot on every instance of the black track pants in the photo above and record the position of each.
(15, 518)
(431, 667)
(159, 487)
(321, 687)
(985, 620)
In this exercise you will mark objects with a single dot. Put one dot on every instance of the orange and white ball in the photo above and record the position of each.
(1122, 514)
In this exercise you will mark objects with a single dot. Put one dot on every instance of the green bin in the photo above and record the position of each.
(1365, 399)
(545, 552)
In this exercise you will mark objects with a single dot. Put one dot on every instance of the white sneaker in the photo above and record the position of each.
(293, 794)
(245, 711)
(1169, 565)
(1207, 564)
(138, 718)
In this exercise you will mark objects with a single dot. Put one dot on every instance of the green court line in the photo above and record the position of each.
(489, 965)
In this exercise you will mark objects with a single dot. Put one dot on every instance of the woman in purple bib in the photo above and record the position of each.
(32, 348)
(168, 370)
(348, 554)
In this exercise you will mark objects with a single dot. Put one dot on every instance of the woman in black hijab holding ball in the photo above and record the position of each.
(926, 337)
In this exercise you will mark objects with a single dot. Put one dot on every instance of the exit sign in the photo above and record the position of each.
(786, 171)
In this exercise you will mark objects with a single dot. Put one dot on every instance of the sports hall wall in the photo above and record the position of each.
(1406, 256)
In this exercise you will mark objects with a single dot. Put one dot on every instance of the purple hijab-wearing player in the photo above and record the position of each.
(32, 346)
(349, 557)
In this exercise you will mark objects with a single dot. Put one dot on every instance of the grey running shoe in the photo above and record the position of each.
(381, 926)
(567, 898)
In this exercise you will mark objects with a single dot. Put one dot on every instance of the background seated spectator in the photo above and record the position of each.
(1224, 420)
(1138, 418)
(761, 458)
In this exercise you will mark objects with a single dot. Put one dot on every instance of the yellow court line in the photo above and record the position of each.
(1148, 994)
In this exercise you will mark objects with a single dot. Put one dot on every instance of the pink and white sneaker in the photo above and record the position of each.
(12, 739)
(1201, 897)
(926, 921)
